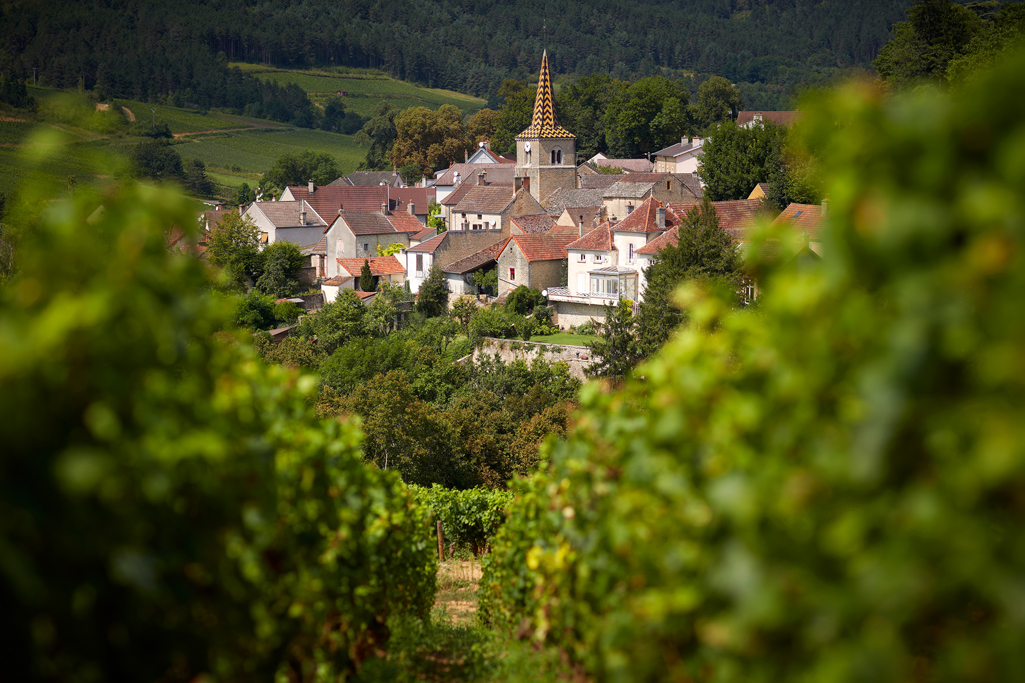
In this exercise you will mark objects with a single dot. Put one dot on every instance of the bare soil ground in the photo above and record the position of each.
(456, 599)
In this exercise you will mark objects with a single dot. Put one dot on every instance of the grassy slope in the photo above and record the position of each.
(236, 149)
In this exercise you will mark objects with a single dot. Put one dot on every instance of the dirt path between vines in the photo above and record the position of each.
(456, 599)
(128, 113)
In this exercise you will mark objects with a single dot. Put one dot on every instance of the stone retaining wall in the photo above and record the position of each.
(508, 350)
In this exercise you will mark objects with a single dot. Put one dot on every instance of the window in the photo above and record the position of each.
(630, 253)
(599, 258)
(366, 246)
(750, 292)
(582, 258)
(512, 274)
(629, 209)
(419, 264)
(669, 184)
(556, 156)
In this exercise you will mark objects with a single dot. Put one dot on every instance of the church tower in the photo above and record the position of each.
(546, 153)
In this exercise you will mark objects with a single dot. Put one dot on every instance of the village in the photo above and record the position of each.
(582, 234)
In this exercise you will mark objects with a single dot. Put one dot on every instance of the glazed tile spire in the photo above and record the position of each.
(543, 123)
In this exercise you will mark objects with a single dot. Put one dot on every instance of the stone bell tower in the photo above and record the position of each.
(546, 153)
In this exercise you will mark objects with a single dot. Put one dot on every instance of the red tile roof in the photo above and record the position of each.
(656, 245)
(321, 247)
(599, 239)
(645, 218)
(326, 200)
(403, 222)
(475, 261)
(431, 245)
(534, 225)
(806, 218)
(736, 216)
(456, 195)
(542, 247)
(485, 199)
(425, 234)
(337, 281)
(379, 265)
(421, 197)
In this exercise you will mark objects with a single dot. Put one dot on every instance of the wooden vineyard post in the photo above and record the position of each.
(441, 543)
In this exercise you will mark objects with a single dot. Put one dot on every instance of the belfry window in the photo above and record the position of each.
(556, 156)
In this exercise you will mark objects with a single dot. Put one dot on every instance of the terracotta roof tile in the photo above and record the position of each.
(656, 245)
(366, 222)
(599, 239)
(589, 214)
(534, 225)
(485, 199)
(321, 246)
(806, 218)
(337, 281)
(403, 222)
(475, 261)
(289, 214)
(368, 179)
(542, 247)
(430, 246)
(379, 265)
(425, 234)
(497, 173)
(645, 218)
(326, 200)
(735, 217)
(420, 197)
(456, 195)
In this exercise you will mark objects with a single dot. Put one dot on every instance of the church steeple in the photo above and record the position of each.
(543, 124)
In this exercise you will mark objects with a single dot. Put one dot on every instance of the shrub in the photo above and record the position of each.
(255, 312)
(491, 321)
(523, 300)
(468, 518)
(287, 313)
(170, 509)
(830, 488)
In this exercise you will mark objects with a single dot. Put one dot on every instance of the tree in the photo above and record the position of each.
(792, 176)
(390, 250)
(703, 251)
(937, 31)
(336, 323)
(629, 119)
(282, 262)
(434, 219)
(582, 106)
(523, 300)
(430, 139)
(382, 312)
(616, 350)
(432, 298)
(463, 309)
(515, 115)
(486, 280)
(254, 312)
(481, 126)
(718, 100)
(157, 160)
(736, 159)
(299, 169)
(366, 278)
(379, 133)
(234, 246)
(196, 180)
(244, 196)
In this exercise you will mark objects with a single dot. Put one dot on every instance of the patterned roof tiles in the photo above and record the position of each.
(543, 123)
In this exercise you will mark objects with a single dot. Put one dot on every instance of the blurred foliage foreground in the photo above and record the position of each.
(169, 509)
(831, 486)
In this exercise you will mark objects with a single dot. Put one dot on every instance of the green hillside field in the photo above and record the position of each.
(364, 88)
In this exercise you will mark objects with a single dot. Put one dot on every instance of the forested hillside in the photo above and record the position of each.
(146, 50)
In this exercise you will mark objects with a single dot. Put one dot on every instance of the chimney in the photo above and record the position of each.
(384, 208)
(661, 221)
(825, 208)
(310, 187)
(482, 179)
(580, 225)
(517, 184)
(410, 207)
(302, 214)
(526, 184)
(487, 144)
(466, 156)
(459, 179)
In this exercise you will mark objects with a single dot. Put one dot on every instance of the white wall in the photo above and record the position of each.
(576, 268)
(413, 277)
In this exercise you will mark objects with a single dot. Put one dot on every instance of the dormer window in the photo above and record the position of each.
(556, 156)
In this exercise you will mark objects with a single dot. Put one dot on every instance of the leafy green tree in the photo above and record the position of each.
(582, 106)
(515, 115)
(936, 32)
(244, 196)
(157, 160)
(234, 246)
(703, 251)
(390, 250)
(523, 300)
(736, 159)
(196, 180)
(379, 133)
(792, 176)
(254, 312)
(990, 45)
(366, 278)
(282, 262)
(718, 100)
(481, 126)
(432, 298)
(463, 309)
(383, 310)
(431, 140)
(299, 169)
(434, 219)
(491, 321)
(486, 280)
(649, 115)
(617, 349)
(337, 323)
